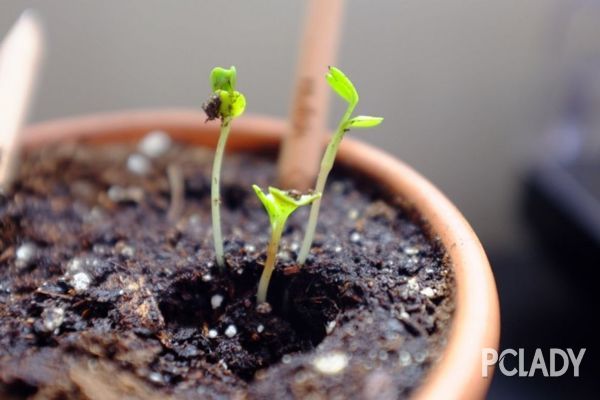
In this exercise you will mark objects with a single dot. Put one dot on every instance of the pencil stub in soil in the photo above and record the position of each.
(99, 292)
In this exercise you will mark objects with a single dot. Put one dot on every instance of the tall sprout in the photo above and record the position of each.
(225, 103)
(346, 90)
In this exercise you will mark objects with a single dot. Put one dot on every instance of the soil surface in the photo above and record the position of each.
(109, 291)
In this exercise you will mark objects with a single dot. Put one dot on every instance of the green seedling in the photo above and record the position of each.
(279, 205)
(346, 90)
(225, 104)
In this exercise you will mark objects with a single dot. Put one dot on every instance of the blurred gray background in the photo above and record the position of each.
(467, 88)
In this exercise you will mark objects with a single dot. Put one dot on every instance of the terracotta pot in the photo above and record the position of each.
(476, 321)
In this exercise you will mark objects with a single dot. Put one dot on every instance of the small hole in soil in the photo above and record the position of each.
(186, 303)
(219, 319)
(93, 309)
(18, 390)
(233, 196)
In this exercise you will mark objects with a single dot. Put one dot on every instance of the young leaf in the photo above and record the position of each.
(266, 202)
(342, 85)
(281, 204)
(232, 103)
(223, 79)
(363, 121)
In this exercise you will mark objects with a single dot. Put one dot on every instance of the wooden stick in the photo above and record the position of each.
(303, 144)
(20, 55)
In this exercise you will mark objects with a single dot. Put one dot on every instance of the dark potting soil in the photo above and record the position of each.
(102, 296)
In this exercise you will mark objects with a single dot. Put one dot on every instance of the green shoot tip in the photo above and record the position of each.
(342, 85)
(280, 204)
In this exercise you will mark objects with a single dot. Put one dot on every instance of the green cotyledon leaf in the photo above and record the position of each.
(232, 103)
(280, 204)
(363, 121)
(223, 79)
(342, 85)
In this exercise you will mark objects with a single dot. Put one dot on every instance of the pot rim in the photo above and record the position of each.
(476, 320)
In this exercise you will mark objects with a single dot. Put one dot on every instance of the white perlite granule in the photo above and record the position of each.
(138, 164)
(216, 301)
(231, 331)
(81, 281)
(52, 318)
(155, 144)
(331, 363)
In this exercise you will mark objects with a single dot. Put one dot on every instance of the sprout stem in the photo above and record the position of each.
(326, 166)
(215, 191)
(263, 285)
(177, 186)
